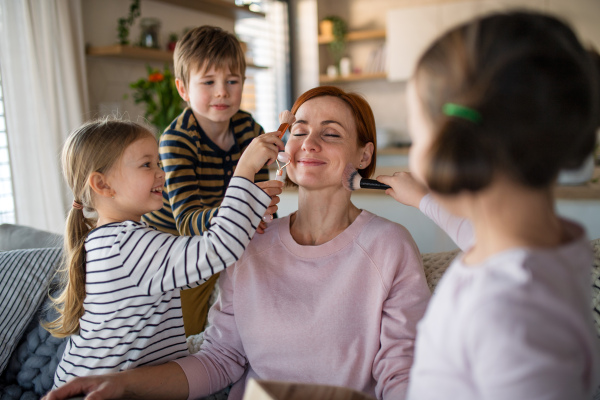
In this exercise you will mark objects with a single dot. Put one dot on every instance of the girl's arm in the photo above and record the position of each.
(459, 229)
(158, 262)
(406, 190)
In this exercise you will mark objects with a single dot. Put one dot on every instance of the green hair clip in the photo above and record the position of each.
(456, 110)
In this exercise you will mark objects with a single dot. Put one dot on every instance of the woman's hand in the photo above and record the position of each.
(95, 388)
(404, 188)
(165, 381)
(273, 188)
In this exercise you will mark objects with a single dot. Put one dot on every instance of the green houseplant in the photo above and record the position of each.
(337, 46)
(158, 94)
(123, 24)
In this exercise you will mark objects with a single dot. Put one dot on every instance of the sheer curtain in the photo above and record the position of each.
(45, 93)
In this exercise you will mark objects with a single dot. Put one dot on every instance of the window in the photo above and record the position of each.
(7, 204)
(266, 90)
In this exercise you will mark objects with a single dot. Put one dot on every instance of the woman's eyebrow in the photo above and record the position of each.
(330, 121)
(299, 121)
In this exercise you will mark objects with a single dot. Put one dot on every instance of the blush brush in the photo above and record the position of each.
(286, 118)
(352, 180)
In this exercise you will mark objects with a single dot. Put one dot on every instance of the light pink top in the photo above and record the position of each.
(516, 326)
(342, 313)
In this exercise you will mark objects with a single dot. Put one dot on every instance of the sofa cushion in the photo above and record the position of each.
(14, 237)
(24, 279)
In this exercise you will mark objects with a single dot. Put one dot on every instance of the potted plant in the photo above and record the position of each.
(337, 46)
(158, 94)
(123, 24)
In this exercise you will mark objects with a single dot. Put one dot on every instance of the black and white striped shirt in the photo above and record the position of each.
(133, 278)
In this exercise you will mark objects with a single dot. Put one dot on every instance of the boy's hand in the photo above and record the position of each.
(404, 188)
(262, 150)
(273, 188)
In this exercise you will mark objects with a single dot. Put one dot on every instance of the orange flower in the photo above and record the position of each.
(156, 77)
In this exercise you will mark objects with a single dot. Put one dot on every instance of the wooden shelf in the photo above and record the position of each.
(222, 8)
(356, 35)
(140, 53)
(394, 151)
(131, 52)
(351, 78)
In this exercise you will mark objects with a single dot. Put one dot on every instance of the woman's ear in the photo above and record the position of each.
(182, 90)
(99, 185)
(367, 155)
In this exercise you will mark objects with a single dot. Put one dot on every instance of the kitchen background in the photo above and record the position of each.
(289, 51)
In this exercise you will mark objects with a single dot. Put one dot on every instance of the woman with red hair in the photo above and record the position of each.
(330, 294)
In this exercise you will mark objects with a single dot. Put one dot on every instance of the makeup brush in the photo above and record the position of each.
(286, 118)
(352, 180)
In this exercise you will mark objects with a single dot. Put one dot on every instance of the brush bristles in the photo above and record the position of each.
(351, 178)
(286, 117)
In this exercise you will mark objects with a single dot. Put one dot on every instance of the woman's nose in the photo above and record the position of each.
(311, 142)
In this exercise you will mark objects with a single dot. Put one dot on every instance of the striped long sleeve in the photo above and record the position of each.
(133, 272)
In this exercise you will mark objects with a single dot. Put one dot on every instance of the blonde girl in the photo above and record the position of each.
(121, 305)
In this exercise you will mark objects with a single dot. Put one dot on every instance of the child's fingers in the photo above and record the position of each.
(271, 184)
(274, 200)
(386, 179)
(273, 138)
(272, 209)
(261, 228)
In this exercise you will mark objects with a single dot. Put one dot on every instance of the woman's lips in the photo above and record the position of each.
(311, 162)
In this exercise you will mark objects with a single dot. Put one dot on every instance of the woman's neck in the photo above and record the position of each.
(322, 215)
(507, 216)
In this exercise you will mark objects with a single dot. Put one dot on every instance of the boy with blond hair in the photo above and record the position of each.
(200, 149)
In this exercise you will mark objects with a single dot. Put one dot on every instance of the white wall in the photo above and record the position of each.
(109, 78)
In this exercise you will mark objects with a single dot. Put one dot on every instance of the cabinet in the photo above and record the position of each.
(376, 35)
(411, 29)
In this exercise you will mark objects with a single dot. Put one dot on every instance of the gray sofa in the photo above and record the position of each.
(32, 354)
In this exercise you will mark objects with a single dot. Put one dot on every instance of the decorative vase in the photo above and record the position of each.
(149, 34)
(326, 28)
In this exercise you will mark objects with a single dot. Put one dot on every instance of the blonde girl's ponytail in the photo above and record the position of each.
(69, 303)
(94, 147)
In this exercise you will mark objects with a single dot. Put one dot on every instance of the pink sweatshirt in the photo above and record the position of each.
(516, 326)
(342, 313)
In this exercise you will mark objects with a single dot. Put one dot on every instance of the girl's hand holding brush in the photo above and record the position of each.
(404, 188)
(273, 188)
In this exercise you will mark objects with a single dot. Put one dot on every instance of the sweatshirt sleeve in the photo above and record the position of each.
(459, 229)
(221, 360)
(161, 262)
(404, 306)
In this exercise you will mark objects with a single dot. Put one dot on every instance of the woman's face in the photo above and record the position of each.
(421, 133)
(323, 141)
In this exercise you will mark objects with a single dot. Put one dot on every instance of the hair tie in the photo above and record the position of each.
(456, 110)
(77, 205)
